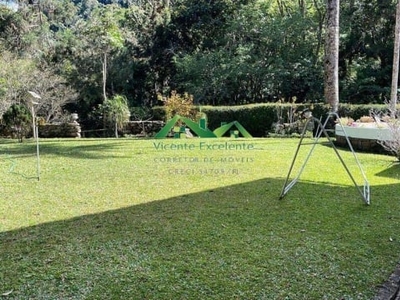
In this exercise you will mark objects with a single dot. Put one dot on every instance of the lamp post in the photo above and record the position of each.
(35, 130)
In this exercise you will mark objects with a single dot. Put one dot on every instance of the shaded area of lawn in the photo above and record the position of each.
(393, 171)
(234, 242)
(87, 148)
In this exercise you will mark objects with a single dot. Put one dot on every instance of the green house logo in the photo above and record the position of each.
(200, 129)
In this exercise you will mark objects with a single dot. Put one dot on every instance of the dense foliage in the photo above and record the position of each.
(78, 53)
(18, 118)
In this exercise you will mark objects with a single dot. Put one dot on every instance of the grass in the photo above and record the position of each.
(119, 219)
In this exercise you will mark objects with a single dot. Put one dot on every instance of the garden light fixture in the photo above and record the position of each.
(35, 129)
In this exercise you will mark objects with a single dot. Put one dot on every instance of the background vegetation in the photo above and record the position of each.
(259, 119)
(77, 53)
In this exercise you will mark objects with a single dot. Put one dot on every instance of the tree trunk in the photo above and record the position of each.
(104, 65)
(331, 88)
(321, 20)
(395, 71)
(104, 76)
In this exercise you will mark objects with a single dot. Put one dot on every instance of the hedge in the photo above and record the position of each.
(258, 119)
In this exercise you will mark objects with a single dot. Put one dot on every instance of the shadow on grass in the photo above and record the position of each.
(87, 149)
(393, 171)
(235, 242)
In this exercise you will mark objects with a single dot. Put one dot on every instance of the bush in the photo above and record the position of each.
(178, 104)
(18, 119)
(392, 145)
(116, 111)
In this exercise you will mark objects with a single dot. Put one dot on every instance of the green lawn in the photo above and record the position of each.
(134, 219)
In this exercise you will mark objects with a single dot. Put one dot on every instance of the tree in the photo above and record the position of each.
(15, 78)
(142, 66)
(18, 75)
(103, 36)
(54, 91)
(85, 48)
(332, 56)
(18, 119)
(116, 111)
(395, 71)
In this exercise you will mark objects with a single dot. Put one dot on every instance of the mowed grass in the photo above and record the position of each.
(121, 219)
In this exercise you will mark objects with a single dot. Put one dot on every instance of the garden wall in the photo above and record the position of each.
(365, 145)
(65, 130)
(142, 128)
(137, 128)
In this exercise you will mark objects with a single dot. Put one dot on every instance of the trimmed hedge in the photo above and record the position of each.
(259, 118)
(256, 118)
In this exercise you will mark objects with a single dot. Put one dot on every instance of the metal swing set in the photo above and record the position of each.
(322, 130)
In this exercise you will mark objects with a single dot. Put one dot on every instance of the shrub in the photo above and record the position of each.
(177, 104)
(116, 111)
(18, 119)
(392, 145)
(106, 119)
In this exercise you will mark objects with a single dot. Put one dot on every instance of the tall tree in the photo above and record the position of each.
(331, 88)
(147, 60)
(101, 35)
(395, 71)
